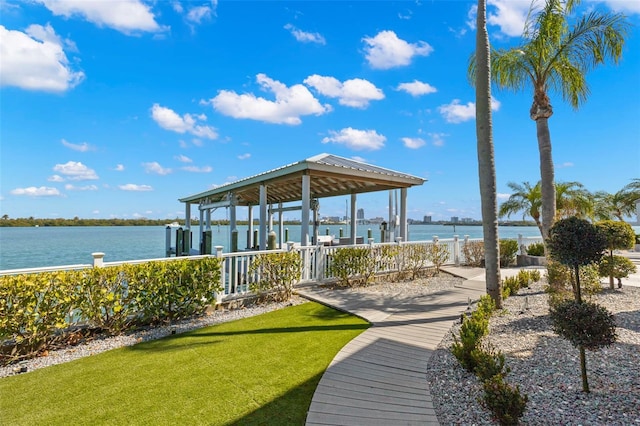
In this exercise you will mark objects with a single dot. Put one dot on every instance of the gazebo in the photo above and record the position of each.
(321, 176)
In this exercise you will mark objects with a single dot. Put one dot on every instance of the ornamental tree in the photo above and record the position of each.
(619, 236)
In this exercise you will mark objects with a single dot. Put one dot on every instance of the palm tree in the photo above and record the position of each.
(572, 199)
(486, 158)
(556, 56)
(619, 204)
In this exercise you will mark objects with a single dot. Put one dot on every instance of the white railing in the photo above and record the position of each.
(316, 262)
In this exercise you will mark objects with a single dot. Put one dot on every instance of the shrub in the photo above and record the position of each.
(472, 330)
(473, 252)
(620, 268)
(488, 362)
(413, 258)
(619, 236)
(584, 324)
(510, 286)
(276, 273)
(505, 402)
(486, 306)
(33, 309)
(526, 276)
(105, 298)
(561, 281)
(169, 290)
(353, 266)
(536, 249)
(508, 250)
(438, 254)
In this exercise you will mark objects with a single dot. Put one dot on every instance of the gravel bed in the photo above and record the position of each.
(99, 345)
(547, 369)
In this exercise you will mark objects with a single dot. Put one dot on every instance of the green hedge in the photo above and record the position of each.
(37, 309)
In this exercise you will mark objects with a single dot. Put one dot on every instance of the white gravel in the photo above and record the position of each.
(546, 367)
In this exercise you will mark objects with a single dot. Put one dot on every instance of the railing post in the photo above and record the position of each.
(456, 250)
(521, 247)
(98, 259)
(222, 274)
(290, 245)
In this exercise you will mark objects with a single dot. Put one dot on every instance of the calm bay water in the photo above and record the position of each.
(52, 246)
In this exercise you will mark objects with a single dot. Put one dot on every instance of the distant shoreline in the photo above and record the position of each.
(6, 222)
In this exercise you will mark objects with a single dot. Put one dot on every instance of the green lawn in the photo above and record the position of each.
(258, 370)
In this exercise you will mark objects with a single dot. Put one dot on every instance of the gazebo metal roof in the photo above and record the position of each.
(330, 175)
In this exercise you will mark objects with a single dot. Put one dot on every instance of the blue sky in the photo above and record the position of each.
(117, 109)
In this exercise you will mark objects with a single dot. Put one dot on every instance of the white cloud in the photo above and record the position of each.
(290, 104)
(56, 178)
(356, 139)
(354, 93)
(196, 169)
(564, 165)
(417, 88)
(199, 13)
(508, 15)
(386, 50)
(170, 120)
(156, 168)
(119, 168)
(502, 196)
(35, 60)
(455, 112)
(134, 187)
(305, 37)
(183, 159)
(413, 143)
(126, 16)
(82, 147)
(437, 139)
(624, 6)
(70, 187)
(244, 156)
(32, 191)
(75, 170)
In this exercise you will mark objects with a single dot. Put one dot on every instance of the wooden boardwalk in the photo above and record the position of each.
(379, 378)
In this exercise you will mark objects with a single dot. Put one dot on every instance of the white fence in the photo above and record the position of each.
(316, 261)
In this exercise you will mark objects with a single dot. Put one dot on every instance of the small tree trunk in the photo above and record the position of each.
(583, 370)
(611, 269)
(577, 289)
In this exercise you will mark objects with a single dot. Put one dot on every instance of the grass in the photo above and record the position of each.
(258, 370)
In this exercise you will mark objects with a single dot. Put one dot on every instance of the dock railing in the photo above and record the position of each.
(236, 277)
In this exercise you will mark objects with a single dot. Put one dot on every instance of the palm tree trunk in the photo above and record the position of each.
(486, 158)
(547, 176)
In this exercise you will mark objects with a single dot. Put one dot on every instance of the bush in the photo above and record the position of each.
(276, 273)
(353, 266)
(412, 258)
(508, 250)
(473, 252)
(584, 324)
(106, 302)
(486, 306)
(472, 330)
(506, 403)
(510, 286)
(488, 362)
(37, 309)
(33, 309)
(536, 249)
(525, 277)
(438, 254)
(620, 268)
(561, 281)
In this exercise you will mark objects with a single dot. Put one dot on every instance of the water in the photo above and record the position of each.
(52, 246)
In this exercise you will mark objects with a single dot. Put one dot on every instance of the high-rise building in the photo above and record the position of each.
(360, 214)
(454, 219)
(427, 219)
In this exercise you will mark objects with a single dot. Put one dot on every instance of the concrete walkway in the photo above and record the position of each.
(379, 378)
